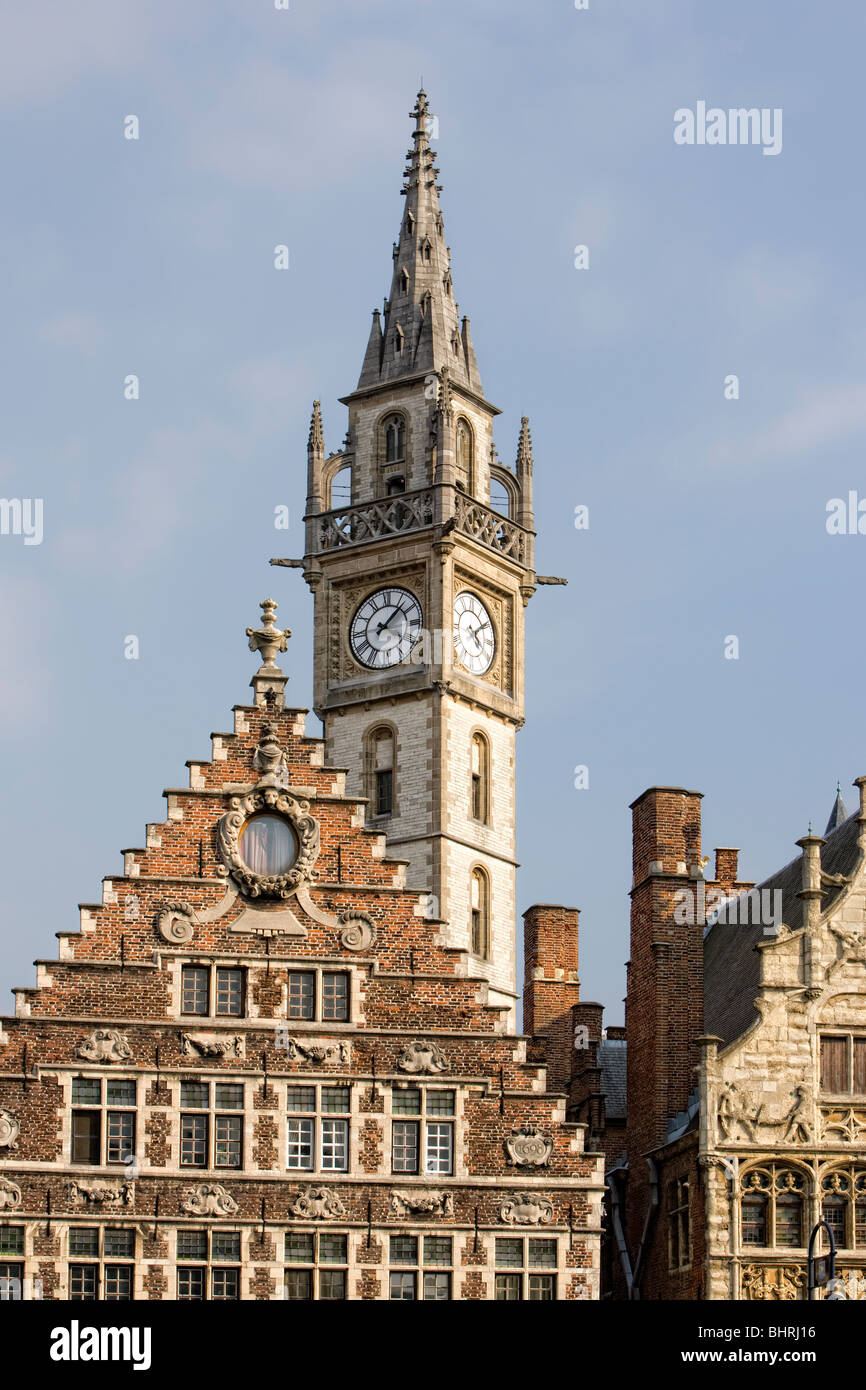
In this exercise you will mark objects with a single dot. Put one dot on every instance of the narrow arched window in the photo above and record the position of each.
(480, 913)
(341, 488)
(464, 456)
(395, 439)
(500, 497)
(381, 766)
(480, 779)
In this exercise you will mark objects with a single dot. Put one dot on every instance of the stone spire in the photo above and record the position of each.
(315, 460)
(839, 814)
(420, 329)
(523, 469)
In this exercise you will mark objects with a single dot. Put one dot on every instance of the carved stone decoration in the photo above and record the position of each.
(528, 1147)
(421, 1204)
(212, 1044)
(845, 1126)
(358, 931)
(176, 923)
(312, 1050)
(318, 1204)
(769, 1283)
(100, 1192)
(422, 1056)
(306, 829)
(526, 1209)
(10, 1195)
(269, 760)
(9, 1130)
(105, 1045)
(739, 1111)
(209, 1199)
(852, 946)
(265, 923)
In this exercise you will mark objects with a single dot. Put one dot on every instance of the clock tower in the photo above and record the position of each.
(419, 554)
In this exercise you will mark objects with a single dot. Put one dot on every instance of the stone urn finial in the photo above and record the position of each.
(269, 681)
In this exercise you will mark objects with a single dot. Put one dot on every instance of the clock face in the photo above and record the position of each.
(474, 637)
(385, 628)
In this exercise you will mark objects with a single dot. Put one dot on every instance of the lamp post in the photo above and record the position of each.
(830, 1278)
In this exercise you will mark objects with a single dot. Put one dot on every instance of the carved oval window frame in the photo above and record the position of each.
(305, 829)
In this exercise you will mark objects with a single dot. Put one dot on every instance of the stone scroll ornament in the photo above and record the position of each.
(528, 1147)
(100, 1193)
(105, 1045)
(306, 829)
(212, 1044)
(526, 1209)
(9, 1130)
(209, 1199)
(10, 1195)
(357, 930)
(422, 1057)
(319, 1204)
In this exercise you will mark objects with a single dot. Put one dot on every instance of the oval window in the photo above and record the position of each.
(268, 846)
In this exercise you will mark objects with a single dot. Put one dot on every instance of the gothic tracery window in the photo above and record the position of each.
(772, 1206)
(395, 439)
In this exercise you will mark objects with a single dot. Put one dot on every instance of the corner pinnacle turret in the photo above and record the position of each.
(420, 329)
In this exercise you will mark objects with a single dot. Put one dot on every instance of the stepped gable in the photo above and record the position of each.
(109, 1009)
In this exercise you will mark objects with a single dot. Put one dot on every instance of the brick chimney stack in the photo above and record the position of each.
(551, 986)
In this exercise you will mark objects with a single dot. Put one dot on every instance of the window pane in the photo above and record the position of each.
(406, 1102)
(440, 1102)
(192, 1245)
(833, 1212)
(437, 1250)
(228, 1141)
(11, 1240)
(301, 1098)
(834, 1065)
(120, 1092)
(302, 995)
(402, 1286)
(267, 845)
(333, 1249)
(300, 1144)
(542, 1254)
(86, 1090)
(194, 1095)
(84, 1240)
(754, 1221)
(120, 1147)
(404, 1250)
(299, 1284)
(335, 1145)
(191, 1283)
(404, 1146)
(119, 1244)
(508, 1288)
(229, 1097)
(437, 1286)
(118, 1282)
(226, 1245)
(11, 1279)
(335, 1100)
(225, 1283)
(541, 1287)
(335, 996)
(332, 1285)
(440, 1140)
(299, 1248)
(384, 791)
(789, 1221)
(230, 993)
(193, 1141)
(860, 1223)
(85, 1136)
(83, 1282)
(509, 1252)
(194, 989)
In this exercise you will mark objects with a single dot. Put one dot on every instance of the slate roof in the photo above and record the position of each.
(611, 1061)
(731, 960)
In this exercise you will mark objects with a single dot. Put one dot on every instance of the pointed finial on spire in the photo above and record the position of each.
(524, 447)
(315, 439)
(269, 681)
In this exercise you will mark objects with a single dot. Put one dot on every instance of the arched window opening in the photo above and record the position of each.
(480, 914)
(772, 1207)
(381, 754)
(464, 456)
(500, 497)
(480, 785)
(341, 488)
(395, 439)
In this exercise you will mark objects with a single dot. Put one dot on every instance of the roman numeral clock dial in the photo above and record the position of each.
(474, 636)
(385, 628)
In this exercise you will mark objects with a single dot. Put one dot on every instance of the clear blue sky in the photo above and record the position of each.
(707, 516)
